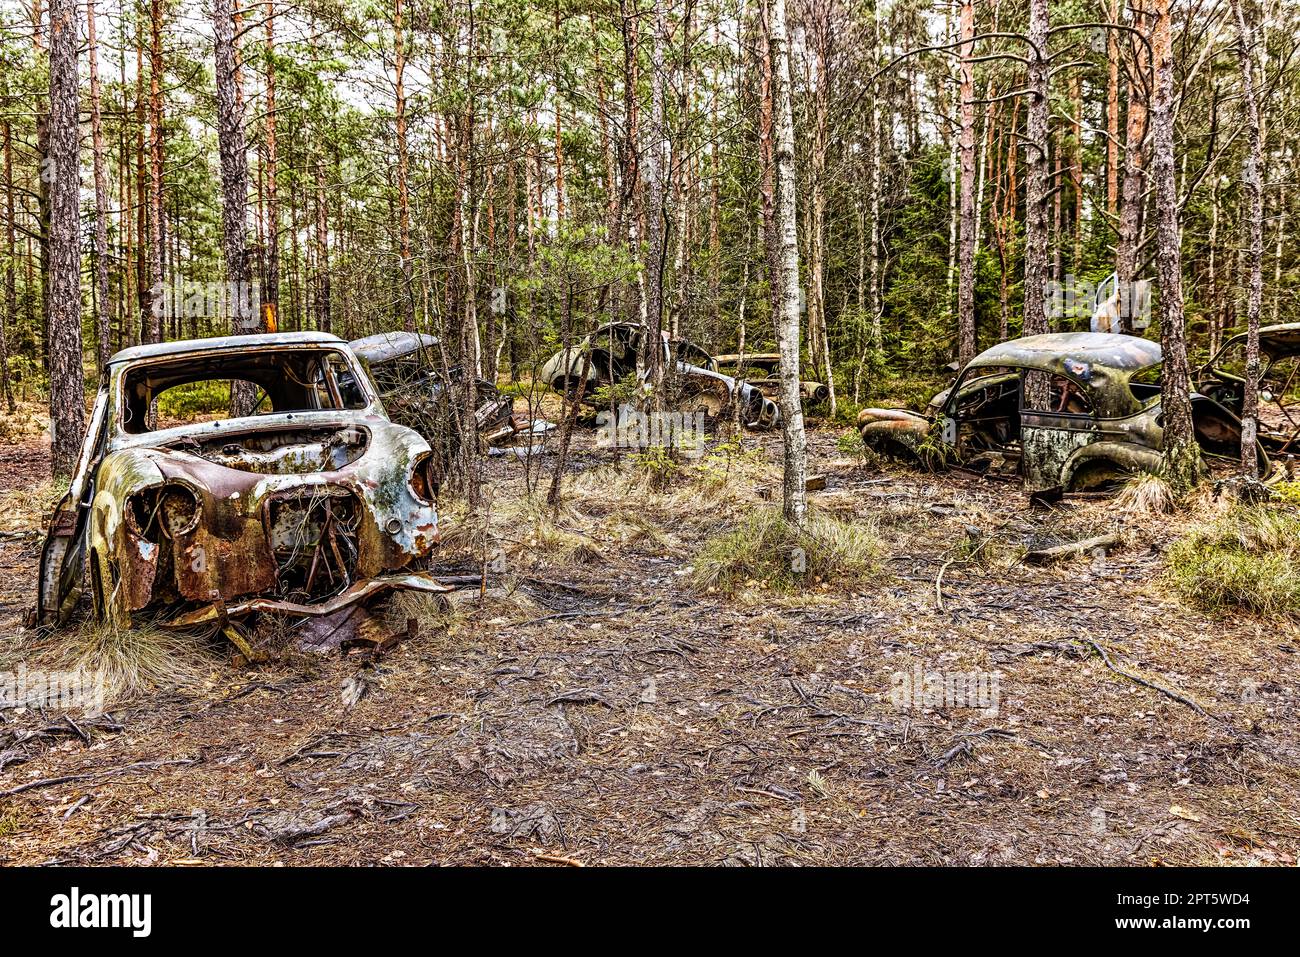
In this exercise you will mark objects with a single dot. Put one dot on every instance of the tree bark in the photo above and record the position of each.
(403, 168)
(656, 215)
(67, 388)
(1112, 111)
(1133, 187)
(795, 457)
(271, 294)
(234, 185)
(102, 298)
(157, 295)
(630, 206)
(966, 241)
(1181, 454)
(1253, 190)
(11, 253)
(1036, 199)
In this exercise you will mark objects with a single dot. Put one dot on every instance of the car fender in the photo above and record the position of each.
(1125, 456)
(895, 430)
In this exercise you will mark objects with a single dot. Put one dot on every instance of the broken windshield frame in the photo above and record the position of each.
(314, 387)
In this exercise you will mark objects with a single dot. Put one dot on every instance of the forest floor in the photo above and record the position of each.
(592, 707)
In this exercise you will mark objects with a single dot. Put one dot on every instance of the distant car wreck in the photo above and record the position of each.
(767, 365)
(405, 369)
(311, 502)
(614, 351)
(1098, 420)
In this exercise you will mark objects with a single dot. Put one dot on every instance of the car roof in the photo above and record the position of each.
(181, 346)
(383, 346)
(1049, 352)
(1277, 342)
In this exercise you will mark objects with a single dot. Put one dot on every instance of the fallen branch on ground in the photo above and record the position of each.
(1044, 556)
(1180, 698)
(69, 778)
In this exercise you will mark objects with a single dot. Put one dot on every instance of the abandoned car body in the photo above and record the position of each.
(1096, 418)
(1223, 379)
(309, 503)
(405, 370)
(767, 365)
(614, 351)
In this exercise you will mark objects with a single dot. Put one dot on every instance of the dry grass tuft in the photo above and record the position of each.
(1146, 494)
(432, 611)
(765, 550)
(132, 661)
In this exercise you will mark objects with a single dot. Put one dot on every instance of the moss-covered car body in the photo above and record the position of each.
(1097, 418)
(616, 350)
(763, 369)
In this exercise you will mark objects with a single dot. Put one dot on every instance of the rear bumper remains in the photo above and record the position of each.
(220, 611)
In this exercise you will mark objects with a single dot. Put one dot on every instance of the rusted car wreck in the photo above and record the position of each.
(404, 368)
(616, 351)
(309, 503)
(763, 369)
(1094, 418)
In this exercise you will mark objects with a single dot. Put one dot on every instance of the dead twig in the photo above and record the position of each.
(1044, 556)
(1180, 698)
(69, 778)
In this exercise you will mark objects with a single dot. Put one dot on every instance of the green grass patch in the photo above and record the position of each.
(9, 824)
(766, 550)
(195, 398)
(1247, 559)
(1288, 492)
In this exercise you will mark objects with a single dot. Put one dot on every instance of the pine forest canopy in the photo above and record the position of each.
(507, 176)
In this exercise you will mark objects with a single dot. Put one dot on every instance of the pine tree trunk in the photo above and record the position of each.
(157, 295)
(324, 304)
(1253, 190)
(271, 294)
(1133, 187)
(966, 242)
(1181, 455)
(403, 168)
(1036, 199)
(795, 458)
(657, 213)
(102, 298)
(1112, 110)
(631, 201)
(10, 316)
(67, 389)
(232, 149)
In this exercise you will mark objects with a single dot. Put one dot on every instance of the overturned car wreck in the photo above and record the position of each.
(1093, 419)
(308, 503)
